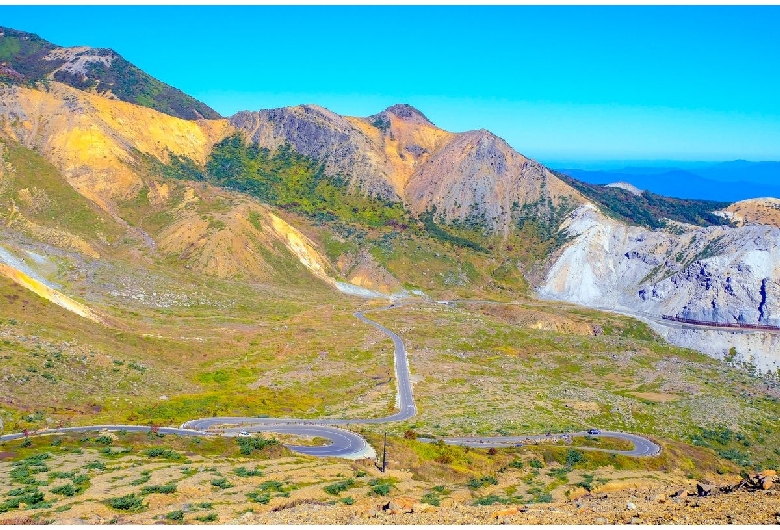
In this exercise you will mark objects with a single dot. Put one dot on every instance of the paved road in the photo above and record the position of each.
(642, 446)
(343, 443)
(93, 428)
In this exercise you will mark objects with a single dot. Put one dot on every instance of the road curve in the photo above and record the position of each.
(642, 446)
(93, 428)
(343, 443)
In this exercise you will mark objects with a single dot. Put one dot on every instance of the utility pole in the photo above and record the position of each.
(384, 455)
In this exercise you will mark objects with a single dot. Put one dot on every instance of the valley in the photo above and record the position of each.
(321, 281)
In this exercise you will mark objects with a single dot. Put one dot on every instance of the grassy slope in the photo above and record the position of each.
(48, 200)
(487, 370)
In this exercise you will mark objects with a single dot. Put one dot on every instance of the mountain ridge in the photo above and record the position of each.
(27, 58)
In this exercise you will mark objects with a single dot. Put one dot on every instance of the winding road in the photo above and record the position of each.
(345, 443)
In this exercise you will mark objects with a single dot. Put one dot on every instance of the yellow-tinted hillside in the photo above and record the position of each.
(92, 139)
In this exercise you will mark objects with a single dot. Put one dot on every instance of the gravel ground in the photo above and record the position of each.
(760, 507)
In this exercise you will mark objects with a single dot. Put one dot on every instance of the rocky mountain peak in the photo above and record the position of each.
(403, 112)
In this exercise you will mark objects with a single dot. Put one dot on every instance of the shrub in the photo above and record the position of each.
(256, 496)
(271, 485)
(221, 483)
(349, 501)
(381, 489)
(176, 515)
(430, 498)
(104, 440)
(67, 490)
(128, 503)
(536, 463)
(167, 454)
(543, 497)
(210, 518)
(244, 472)
(62, 474)
(338, 487)
(573, 457)
(95, 465)
(476, 483)
(160, 488)
(252, 443)
(490, 499)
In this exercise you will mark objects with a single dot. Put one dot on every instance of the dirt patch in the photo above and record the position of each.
(656, 396)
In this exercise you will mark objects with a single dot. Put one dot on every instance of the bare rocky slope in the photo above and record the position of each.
(398, 154)
(712, 274)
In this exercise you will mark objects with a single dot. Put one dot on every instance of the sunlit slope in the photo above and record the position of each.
(93, 140)
(52, 295)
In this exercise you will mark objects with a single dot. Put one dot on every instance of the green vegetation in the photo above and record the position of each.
(476, 483)
(176, 515)
(338, 487)
(66, 489)
(127, 503)
(254, 443)
(167, 454)
(210, 518)
(160, 488)
(649, 209)
(221, 483)
(431, 498)
(244, 472)
(381, 486)
(259, 497)
(438, 232)
(292, 181)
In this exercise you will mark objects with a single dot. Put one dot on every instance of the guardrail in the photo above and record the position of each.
(732, 325)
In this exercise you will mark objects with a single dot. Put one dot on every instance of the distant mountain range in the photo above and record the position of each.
(725, 181)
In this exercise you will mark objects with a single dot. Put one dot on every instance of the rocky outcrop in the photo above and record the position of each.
(712, 274)
(326, 136)
(479, 178)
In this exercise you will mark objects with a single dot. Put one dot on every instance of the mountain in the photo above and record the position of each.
(736, 171)
(474, 178)
(727, 181)
(26, 58)
(388, 202)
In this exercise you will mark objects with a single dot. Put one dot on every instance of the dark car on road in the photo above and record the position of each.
(594, 431)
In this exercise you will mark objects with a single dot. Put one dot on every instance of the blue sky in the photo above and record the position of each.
(558, 83)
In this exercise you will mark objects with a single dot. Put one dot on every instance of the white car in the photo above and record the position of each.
(244, 433)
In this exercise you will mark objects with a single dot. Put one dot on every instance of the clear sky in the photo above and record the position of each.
(558, 83)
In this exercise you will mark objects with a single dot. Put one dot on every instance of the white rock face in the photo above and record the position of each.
(758, 348)
(713, 274)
